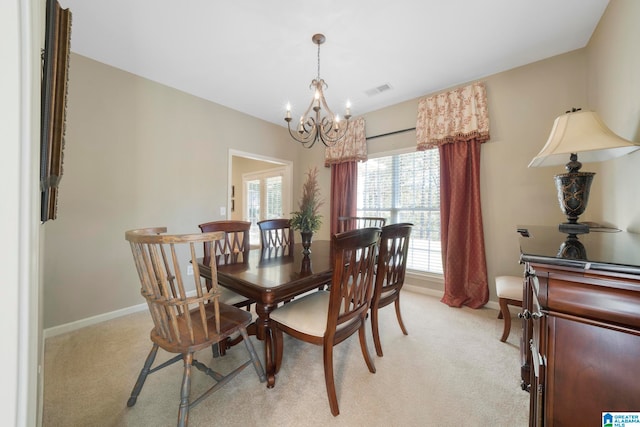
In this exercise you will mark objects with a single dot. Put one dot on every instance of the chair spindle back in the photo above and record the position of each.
(276, 233)
(352, 283)
(346, 223)
(180, 319)
(234, 247)
(392, 259)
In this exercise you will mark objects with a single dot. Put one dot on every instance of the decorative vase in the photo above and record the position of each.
(305, 267)
(306, 241)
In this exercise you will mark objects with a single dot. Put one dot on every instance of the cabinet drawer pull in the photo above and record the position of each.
(526, 314)
(536, 315)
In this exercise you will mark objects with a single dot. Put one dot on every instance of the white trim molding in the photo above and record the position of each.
(93, 320)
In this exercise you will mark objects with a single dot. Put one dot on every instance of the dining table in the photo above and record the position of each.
(273, 276)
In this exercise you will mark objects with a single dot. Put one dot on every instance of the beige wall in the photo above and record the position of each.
(141, 154)
(137, 154)
(613, 64)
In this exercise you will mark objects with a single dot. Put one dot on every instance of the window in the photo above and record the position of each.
(405, 187)
(265, 198)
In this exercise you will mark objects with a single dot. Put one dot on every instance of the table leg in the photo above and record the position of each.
(270, 359)
(264, 332)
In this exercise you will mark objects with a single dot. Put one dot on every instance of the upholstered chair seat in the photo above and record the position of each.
(509, 291)
(307, 314)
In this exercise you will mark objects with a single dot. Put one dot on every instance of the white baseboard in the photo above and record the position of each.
(72, 326)
(492, 304)
(438, 294)
(423, 290)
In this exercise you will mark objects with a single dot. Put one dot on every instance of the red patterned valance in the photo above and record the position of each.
(457, 115)
(351, 148)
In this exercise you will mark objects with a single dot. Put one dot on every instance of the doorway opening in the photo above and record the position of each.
(261, 188)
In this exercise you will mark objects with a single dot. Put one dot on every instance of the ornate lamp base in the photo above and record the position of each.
(573, 196)
(572, 248)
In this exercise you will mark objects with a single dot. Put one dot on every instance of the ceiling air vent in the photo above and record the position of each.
(378, 89)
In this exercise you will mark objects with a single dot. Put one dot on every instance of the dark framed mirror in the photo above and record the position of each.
(55, 59)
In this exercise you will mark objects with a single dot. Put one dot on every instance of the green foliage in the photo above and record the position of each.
(307, 217)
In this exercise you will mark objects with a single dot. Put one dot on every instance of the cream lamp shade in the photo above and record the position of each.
(584, 133)
(578, 132)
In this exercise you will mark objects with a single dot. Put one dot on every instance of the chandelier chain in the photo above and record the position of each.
(318, 61)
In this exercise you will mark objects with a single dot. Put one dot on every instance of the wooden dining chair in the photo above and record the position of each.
(235, 246)
(185, 321)
(327, 318)
(390, 273)
(232, 249)
(346, 223)
(277, 234)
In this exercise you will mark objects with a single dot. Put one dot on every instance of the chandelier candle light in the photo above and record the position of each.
(329, 129)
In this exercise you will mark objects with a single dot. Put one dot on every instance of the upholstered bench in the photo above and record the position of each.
(509, 290)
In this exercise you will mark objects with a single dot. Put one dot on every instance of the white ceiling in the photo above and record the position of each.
(256, 55)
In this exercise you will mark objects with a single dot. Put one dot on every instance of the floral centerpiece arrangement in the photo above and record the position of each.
(307, 218)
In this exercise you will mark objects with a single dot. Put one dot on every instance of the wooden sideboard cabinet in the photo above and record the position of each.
(581, 325)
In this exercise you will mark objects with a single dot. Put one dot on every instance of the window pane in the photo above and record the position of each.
(406, 188)
(274, 197)
(265, 199)
(253, 208)
(375, 184)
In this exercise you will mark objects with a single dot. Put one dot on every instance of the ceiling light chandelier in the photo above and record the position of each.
(329, 129)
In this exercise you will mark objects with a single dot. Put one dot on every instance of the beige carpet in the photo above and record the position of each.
(450, 370)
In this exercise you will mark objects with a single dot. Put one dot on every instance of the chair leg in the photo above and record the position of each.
(252, 329)
(279, 347)
(328, 378)
(220, 349)
(504, 310)
(215, 350)
(185, 390)
(365, 349)
(143, 375)
(399, 316)
(254, 356)
(375, 331)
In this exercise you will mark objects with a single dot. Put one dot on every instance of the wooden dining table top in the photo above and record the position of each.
(271, 276)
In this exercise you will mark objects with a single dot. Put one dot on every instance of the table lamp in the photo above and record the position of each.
(584, 133)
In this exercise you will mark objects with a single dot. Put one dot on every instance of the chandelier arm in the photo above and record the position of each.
(327, 141)
(331, 141)
(304, 140)
(329, 123)
(309, 127)
(314, 134)
(310, 107)
(323, 101)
